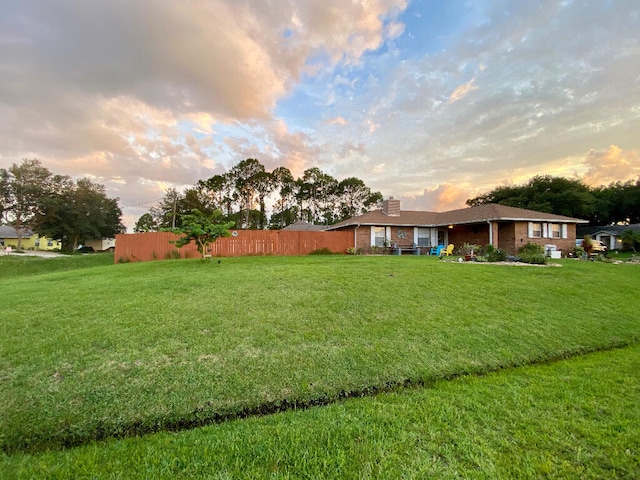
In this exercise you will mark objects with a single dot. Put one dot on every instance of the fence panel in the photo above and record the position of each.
(144, 247)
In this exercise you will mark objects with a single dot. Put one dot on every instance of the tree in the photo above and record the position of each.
(219, 190)
(201, 229)
(630, 239)
(245, 191)
(5, 194)
(285, 210)
(75, 213)
(168, 211)
(264, 184)
(25, 187)
(355, 198)
(246, 177)
(558, 195)
(316, 196)
(145, 223)
(617, 203)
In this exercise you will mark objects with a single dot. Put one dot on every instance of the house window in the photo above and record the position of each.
(379, 236)
(535, 230)
(424, 237)
(50, 243)
(37, 242)
(554, 230)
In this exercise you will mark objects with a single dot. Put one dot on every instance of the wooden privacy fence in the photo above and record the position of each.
(144, 247)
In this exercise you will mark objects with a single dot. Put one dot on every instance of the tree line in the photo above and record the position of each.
(616, 203)
(243, 194)
(32, 199)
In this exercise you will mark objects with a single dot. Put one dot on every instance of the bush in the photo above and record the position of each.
(322, 251)
(495, 254)
(532, 253)
(576, 252)
(354, 251)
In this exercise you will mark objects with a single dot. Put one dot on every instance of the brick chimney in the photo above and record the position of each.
(391, 207)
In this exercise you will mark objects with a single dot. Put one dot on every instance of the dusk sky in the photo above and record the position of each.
(432, 102)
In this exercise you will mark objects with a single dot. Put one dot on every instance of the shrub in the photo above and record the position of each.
(470, 249)
(495, 254)
(577, 252)
(532, 253)
(354, 251)
(173, 254)
(322, 251)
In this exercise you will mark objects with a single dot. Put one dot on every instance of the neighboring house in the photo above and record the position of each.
(609, 235)
(30, 240)
(301, 226)
(101, 244)
(506, 228)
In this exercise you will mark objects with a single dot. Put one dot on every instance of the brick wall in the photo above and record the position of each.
(521, 232)
(476, 234)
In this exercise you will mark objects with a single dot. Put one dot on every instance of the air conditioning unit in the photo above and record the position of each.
(552, 251)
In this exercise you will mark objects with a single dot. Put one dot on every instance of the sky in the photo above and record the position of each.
(432, 102)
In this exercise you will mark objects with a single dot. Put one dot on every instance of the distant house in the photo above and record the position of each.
(609, 235)
(30, 240)
(507, 228)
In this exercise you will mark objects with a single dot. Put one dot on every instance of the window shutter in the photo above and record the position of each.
(564, 231)
(530, 229)
(545, 230)
(373, 236)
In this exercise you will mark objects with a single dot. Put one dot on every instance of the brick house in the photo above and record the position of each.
(506, 228)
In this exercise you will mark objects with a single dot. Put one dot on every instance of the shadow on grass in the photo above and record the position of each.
(204, 415)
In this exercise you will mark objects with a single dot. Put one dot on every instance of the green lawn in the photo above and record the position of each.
(118, 350)
(572, 419)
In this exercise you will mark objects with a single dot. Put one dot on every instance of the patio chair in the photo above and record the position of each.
(448, 251)
(436, 250)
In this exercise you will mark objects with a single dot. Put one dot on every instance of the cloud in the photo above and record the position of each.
(337, 121)
(462, 91)
(549, 81)
(123, 91)
(437, 199)
(137, 96)
(611, 165)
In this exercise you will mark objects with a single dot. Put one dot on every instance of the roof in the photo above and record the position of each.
(7, 231)
(613, 230)
(480, 214)
(304, 227)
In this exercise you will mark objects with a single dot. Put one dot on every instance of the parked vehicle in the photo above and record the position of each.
(598, 247)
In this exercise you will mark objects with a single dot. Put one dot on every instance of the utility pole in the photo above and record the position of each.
(175, 199)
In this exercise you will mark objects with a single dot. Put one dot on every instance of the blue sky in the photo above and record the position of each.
(432, 102)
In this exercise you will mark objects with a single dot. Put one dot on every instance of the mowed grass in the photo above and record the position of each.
(121, 350)
(576, 418)
(17, 264)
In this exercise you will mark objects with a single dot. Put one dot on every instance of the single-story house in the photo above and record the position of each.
(506, 228)
(609, 234)
(30, 240)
